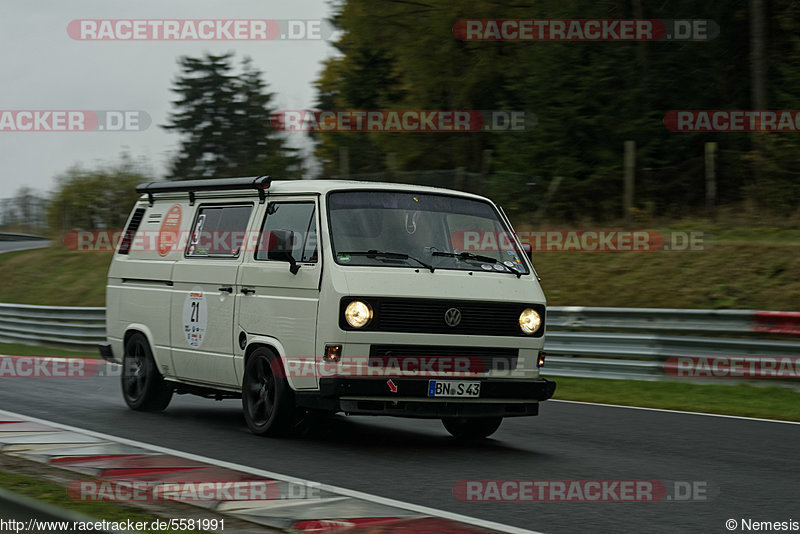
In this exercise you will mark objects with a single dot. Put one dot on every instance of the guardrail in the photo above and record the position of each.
(632, 343)
(737, 322)
(645, 343)
(7, 236)
(37, 325)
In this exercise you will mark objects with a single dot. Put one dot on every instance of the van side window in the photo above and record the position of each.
(289, 226)
(130, 231)
(218, 231)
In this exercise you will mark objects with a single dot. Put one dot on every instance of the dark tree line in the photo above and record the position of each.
(588, 97)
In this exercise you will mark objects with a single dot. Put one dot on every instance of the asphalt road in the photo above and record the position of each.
(749, 468)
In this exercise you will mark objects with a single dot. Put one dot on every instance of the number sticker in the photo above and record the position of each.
(195, 317)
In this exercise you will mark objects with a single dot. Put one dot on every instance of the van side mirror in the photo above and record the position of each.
(280, 246)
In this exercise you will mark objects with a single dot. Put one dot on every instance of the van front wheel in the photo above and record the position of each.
(267, 399)
(472, 427)
(143, 387)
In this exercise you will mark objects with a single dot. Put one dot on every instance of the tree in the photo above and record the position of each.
(94, 199)
(224, 119)
(588, 98)
(403, 55)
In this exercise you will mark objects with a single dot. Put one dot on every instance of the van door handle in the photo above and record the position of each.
(225, 289)
(248, 291)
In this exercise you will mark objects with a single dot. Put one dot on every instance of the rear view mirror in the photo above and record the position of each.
(280, 246)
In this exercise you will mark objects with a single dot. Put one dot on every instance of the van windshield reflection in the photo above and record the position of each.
(403, 229)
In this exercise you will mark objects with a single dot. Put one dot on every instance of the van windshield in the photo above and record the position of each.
(405, 229)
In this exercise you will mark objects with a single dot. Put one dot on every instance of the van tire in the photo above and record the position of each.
(472, 427)
(267, 400)
(143, 387)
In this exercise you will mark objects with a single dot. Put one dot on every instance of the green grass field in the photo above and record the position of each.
(19, 349)
(55, 495)
(745, 400)
(54, 276)
(738, 268)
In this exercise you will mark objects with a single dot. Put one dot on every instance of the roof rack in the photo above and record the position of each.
(260, 184)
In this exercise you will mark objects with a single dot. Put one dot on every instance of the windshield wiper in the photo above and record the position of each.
(475, 257)
(391, 255)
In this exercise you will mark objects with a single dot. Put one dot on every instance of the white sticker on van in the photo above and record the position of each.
(195, 317)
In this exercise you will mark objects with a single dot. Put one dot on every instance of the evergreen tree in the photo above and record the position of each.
(224, 119)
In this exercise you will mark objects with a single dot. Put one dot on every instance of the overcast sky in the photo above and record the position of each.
(43, 68)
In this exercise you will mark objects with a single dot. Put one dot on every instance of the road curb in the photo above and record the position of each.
(318, 508)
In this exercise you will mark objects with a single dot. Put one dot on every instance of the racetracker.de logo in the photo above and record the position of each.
(585, 30)
(40, 120)
(198, 29)
(582, 490)
(236, 242)
(147, 491)
(732, 120)
(46, 367)
(786, 367)
(578, 240)
(409, 120)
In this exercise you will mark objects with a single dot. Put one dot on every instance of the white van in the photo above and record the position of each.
(326, 296)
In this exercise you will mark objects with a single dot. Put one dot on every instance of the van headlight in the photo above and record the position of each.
(530, 321)
(358, 314)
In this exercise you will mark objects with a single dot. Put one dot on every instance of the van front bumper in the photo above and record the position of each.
(408, 397)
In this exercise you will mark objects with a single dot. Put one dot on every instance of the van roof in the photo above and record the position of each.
(324, 186)
(253, 185)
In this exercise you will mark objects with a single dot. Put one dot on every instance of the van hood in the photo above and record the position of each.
(442, 284)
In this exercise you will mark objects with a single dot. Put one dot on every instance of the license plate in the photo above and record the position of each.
(453, 388)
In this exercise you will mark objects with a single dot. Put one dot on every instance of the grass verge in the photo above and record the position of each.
(737, 267)
(745, 400)
(734, 275)
(18, 349)
(56, 495)
(54, 276)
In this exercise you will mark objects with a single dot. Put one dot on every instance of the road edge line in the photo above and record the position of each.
(285, 478)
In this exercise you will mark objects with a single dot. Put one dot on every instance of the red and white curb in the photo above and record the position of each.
(326, 509)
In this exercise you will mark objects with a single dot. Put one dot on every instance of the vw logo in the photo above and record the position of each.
(452, 317)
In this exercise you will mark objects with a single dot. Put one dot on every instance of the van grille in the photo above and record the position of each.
(427, 316)
(443, 358)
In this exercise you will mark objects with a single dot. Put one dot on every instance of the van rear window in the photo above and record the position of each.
(218, 231)
(130, 231)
